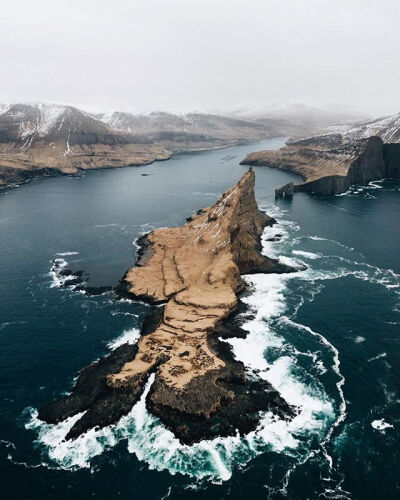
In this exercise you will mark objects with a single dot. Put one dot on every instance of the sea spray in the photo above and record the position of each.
(266, 354)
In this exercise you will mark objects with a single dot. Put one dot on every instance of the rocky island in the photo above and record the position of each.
(192, 274)
(329, 164)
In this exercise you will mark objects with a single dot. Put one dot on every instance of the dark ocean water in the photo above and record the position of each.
(328, 338)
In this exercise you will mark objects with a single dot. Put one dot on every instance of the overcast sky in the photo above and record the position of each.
(201, 54)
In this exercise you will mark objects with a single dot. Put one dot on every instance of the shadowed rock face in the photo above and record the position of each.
(328, 165)
(199, 391)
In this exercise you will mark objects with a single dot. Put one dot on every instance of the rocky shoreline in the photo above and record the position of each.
(329, 165)
(199, 391)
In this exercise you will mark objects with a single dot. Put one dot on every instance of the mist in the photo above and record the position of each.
(208, 55)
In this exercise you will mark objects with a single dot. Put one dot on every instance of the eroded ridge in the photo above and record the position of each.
(199, 390)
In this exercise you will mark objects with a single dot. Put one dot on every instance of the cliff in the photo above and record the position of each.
(200, 391)
(329, 165)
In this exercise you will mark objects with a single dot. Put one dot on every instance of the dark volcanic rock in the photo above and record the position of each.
(105, 405)
(75, 280)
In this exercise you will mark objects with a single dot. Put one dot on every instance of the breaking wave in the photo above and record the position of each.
(130, 336)
(269, 352)
(57, 273)
(264, 352)
(367, 191)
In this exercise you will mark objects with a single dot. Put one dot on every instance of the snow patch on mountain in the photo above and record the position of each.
(388, 128)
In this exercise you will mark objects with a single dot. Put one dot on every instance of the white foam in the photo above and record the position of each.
(379, 356)
(336, 368)
(359, 339)
(57, 279)
(67, 454)
(7, 444)
(288, 261)
(315, 409)
(216, 459)
(130, 336)
(381, 425)
(307, 255)
(62, 254)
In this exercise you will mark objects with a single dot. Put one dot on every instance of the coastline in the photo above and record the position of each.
(179, 341)
(328, 172)
(31, 175)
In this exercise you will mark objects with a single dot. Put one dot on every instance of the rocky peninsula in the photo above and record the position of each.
(192, 274)
(329, 164)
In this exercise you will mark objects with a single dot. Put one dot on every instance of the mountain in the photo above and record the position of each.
(387, 128)
(40, 139)
(175, 130)
(329, 164)
(47, 138)
(294, 119)
(50, 138)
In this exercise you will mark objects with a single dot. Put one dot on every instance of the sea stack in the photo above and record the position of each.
(194, 272)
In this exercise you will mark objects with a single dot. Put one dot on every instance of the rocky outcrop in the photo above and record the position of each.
(391, 157)
(199, 391)
(329, 165)
(285, 191)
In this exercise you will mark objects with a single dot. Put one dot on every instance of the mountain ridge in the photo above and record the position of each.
(45, 138)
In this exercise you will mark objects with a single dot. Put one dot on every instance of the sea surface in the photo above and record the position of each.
(328, 338)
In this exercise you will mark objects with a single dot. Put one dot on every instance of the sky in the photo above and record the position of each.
(184, 55)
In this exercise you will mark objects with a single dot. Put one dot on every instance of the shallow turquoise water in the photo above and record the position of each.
(328, 338)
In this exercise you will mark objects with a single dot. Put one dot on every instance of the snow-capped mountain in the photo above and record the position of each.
(22, 126)
(164, 126)
(45, 138)
(388, 129)
(293, 111)
(295, 119)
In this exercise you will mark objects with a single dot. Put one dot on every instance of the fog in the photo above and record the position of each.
(202, 54)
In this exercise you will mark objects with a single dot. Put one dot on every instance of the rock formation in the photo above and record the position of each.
(329, 165)
(199, 391)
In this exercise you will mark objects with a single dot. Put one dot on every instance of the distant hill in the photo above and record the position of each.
(295, 119)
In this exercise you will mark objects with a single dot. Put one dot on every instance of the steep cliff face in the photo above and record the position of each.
(391, 157)
(196, 270)
(200, 391)
(329, 165)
